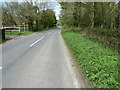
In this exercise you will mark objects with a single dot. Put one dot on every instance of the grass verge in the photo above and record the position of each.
(26, 32)
(98, 62)
(110, 38)
(17, 33)
(2, 41)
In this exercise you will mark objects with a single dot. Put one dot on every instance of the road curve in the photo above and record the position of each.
(36, 61)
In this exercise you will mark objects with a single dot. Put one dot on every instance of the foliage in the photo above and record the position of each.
(107, 37)
(98, 62)
(98, 20)
(2, 41)
(36, 16)
(90, 14)
(48, 18)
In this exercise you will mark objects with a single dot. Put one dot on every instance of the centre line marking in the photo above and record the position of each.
(36, 41)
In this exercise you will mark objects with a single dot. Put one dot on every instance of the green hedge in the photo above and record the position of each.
(99, 63)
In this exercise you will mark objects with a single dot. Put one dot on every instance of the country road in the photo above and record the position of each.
(36, 61)
(52, 44)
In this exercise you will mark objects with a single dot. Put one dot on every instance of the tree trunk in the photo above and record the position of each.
(37, 24)
(102, 18)
(119, 14)
(94, 15)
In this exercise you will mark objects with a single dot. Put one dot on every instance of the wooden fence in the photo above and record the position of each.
(15, 28)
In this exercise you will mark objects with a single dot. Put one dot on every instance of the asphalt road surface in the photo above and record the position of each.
(36, 61)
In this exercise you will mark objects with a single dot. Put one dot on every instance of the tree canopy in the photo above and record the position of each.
(90, 14)
(36, 15)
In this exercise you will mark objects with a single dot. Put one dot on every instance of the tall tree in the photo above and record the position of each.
(30, 13)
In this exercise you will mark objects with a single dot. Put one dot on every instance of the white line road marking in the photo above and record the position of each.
(36, 41)
(0, 67)
(75, 82)
(60, 32)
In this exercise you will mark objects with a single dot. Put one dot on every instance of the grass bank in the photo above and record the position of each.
(99, 63)
(110, 38)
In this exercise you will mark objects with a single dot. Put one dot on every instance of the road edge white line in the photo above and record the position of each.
(75, 82)
(36, 41)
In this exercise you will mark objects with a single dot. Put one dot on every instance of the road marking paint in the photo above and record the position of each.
(75, 82)
(36, 41)
(0, 67)
(60, 32)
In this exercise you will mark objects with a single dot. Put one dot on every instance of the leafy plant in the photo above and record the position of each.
(99, 63)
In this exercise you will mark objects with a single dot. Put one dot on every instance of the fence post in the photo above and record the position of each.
(119, 14)
(27, 28)
(24, 28)
(2, 34)
(19, 28)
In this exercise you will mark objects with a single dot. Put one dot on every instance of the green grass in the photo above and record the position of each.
(108, 37)
(2, 41)
(26, 32)
(98, 63)
(17, 33)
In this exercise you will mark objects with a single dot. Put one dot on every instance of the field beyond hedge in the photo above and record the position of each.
(99, 63)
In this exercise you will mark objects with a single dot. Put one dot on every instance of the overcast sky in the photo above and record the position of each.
(57, 10)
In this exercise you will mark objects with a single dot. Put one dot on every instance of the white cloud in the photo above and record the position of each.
(57, 10)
